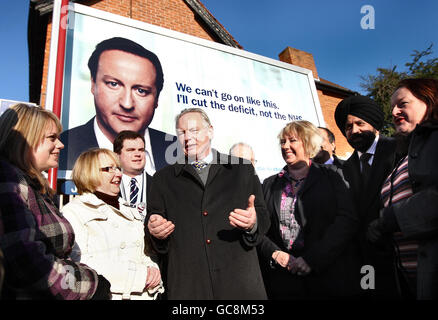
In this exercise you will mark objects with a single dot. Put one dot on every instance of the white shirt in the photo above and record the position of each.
(104, 142)
(371, 150)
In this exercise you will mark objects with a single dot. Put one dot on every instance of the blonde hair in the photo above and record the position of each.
(22, 129)
(307, 133)
(86, 171)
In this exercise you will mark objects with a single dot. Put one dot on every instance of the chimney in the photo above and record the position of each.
(299, 58)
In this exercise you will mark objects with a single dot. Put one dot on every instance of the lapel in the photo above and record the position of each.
(216, 165)
(313, 177)
(352, 174)
(277, 189)
(188, 168)
(381, 162)
(148, 185)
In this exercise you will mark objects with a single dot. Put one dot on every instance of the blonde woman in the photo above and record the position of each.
(35, 238)
(308, 252)
(109, 232)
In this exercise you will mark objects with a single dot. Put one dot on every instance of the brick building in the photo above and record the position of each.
(186, 16)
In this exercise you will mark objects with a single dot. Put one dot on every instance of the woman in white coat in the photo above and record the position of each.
(109, 233)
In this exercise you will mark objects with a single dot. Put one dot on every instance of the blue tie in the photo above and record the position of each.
(134, 191)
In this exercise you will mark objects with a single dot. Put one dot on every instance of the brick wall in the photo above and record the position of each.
(170, 14)
(327, 100)
(299, 58)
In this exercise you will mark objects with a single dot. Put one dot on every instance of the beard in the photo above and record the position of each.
(362, 141)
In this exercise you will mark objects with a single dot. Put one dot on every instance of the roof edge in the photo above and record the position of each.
(46, 6)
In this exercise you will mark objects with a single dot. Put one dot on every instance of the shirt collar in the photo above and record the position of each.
(329, 161)
(127, 179)
(208, 159)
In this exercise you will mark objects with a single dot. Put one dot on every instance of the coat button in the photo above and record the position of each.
(123, 245)
(205, 213)
(208, 241)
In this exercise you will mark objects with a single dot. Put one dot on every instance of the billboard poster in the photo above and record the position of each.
(249, 98)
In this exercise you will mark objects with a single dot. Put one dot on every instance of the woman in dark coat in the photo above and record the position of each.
(410, 193)
(308, 251)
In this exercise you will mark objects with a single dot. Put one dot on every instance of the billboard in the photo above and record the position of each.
(5, 104)
(249, 98)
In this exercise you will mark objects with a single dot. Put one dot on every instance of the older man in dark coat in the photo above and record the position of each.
(206, 215)
(359, 118)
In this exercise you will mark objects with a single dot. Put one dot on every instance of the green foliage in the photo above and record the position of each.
(381, 86)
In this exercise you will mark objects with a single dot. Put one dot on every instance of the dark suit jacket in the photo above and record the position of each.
(329, 223)
(82, 138)
(338, 162)
(368, 204)
(205, 257)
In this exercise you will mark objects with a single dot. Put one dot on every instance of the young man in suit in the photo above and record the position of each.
(206, 215)
(359, 118)
(126, 81)
(135, 183)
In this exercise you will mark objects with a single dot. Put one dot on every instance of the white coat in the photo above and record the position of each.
(111, 242)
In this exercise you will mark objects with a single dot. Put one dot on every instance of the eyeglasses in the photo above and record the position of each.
(110, 169)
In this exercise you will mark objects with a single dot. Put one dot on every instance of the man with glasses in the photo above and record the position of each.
(206, 214)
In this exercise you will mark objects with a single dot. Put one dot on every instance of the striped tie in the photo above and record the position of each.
(134, 191)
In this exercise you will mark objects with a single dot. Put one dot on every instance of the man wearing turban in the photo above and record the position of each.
(359, 118)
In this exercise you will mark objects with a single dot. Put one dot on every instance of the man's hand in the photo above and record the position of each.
(153, 278)
(244, 219)
(159, 227)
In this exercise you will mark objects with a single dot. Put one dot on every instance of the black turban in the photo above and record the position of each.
(361, 107)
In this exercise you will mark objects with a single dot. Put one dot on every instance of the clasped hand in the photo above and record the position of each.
(160, 227)
(295, 265)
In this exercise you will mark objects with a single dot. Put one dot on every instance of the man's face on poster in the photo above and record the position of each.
(124, 92)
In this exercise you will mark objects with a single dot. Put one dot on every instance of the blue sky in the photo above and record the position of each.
(330, 30)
